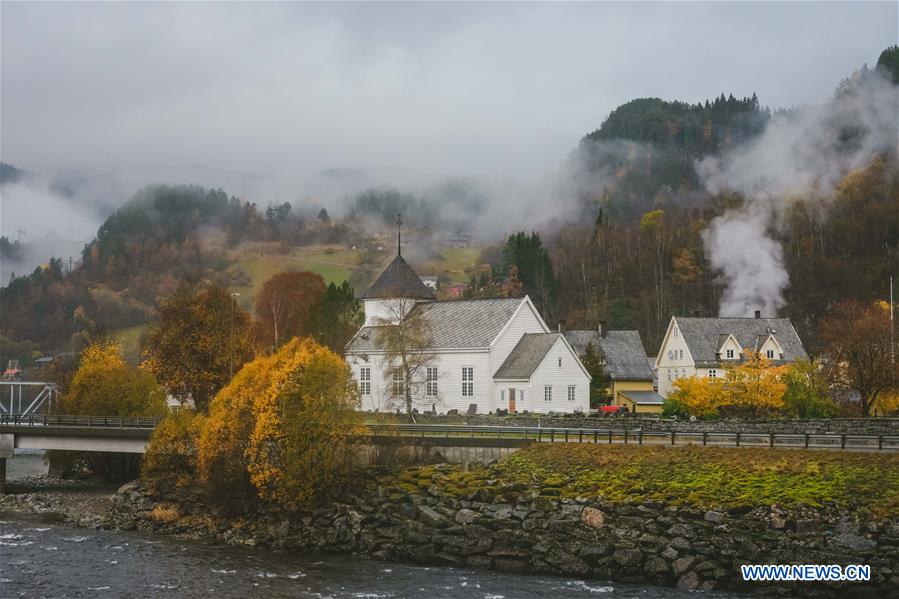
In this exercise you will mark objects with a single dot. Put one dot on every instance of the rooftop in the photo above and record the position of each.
(623, 351)
(704, 336)
(399, 280)
(451, 324)
(527, 355)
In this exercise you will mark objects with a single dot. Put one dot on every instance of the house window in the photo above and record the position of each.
(713, 374)
(670, 354)
(547, 393)
(571, 392)
(602, 360)
(770, 354)
(560, 362)
(431, 387)
(675, 332)
(669, 375)
(502, 396)
(365, 380)
(730, 354)
(680, 353)
(398, 386)
(467, 381)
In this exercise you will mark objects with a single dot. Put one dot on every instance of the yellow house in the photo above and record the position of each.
(625, 361)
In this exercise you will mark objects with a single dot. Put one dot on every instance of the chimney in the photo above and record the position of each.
(561, 326)
(758, 313)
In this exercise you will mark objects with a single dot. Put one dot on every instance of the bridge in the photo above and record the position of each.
(455, 443)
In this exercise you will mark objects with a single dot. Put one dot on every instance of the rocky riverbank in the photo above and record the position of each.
(546, 523)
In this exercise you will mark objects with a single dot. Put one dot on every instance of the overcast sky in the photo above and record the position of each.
(449, 89)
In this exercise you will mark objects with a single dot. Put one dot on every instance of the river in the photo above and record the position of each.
(40, 556)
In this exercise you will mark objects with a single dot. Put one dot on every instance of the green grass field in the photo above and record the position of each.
(458, 263)
(333, 263)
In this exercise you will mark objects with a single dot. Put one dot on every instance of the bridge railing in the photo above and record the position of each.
(79, 421)
(637, 436)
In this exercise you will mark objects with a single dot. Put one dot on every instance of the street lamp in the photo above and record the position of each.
(231, 339)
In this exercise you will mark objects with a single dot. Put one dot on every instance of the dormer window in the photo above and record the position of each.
(770, 354)
(730, 354)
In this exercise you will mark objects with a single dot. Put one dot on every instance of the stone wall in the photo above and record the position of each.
(535, 531)
(849, 426)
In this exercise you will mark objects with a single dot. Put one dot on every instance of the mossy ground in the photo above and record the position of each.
(703, 477)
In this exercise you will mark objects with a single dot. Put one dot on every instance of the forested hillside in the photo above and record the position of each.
(638, 252)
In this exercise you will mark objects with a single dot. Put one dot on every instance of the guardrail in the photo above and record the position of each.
(79, 421)
(641, 437)
(538, 434)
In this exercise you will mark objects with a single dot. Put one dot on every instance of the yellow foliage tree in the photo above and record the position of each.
(300, 447)
(755, 386)
(700, 397)
(281, 428)
(171, 457)
(106, 385)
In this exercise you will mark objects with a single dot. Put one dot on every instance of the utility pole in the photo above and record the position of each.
(399, 234)
(231, 339)
(892, 335)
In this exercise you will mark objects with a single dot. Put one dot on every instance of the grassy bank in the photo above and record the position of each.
(704, 477)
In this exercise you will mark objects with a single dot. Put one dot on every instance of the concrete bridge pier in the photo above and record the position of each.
(7, 444)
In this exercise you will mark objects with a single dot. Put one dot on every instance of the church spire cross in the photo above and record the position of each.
(399, 234)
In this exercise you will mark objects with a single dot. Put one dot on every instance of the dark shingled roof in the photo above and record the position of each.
(704, 336)
(453, 324)
(399, 280)
(527, 355)
(623, 351)
(644, 398)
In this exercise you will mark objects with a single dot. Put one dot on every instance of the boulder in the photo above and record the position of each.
(466, 516)
(689, 581)
(593, 517)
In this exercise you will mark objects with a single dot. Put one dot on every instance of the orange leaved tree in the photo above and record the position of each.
(285, 305)
(282, 428)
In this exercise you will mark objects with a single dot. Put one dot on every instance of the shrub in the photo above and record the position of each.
(171, 457)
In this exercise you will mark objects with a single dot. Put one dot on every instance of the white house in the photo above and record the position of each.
(487, 353)
(703, 346)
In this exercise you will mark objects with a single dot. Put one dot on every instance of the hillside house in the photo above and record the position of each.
(703, 346)
(483, 355)
(624, 359)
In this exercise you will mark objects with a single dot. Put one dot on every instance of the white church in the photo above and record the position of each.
(483, 355)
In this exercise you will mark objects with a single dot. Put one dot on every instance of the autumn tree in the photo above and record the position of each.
(696, 396)
(200, 338)
(170, 461)
(405, 337)
(281, 429)
(285, 304)
(301, 447)
(855, 339)
(755, 386)
(106, 385)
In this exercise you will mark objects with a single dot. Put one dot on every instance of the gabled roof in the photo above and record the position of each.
(623, 351)
(453, 324)
(702, 336)
(399, 280)
(527, 355)
(644, 398)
